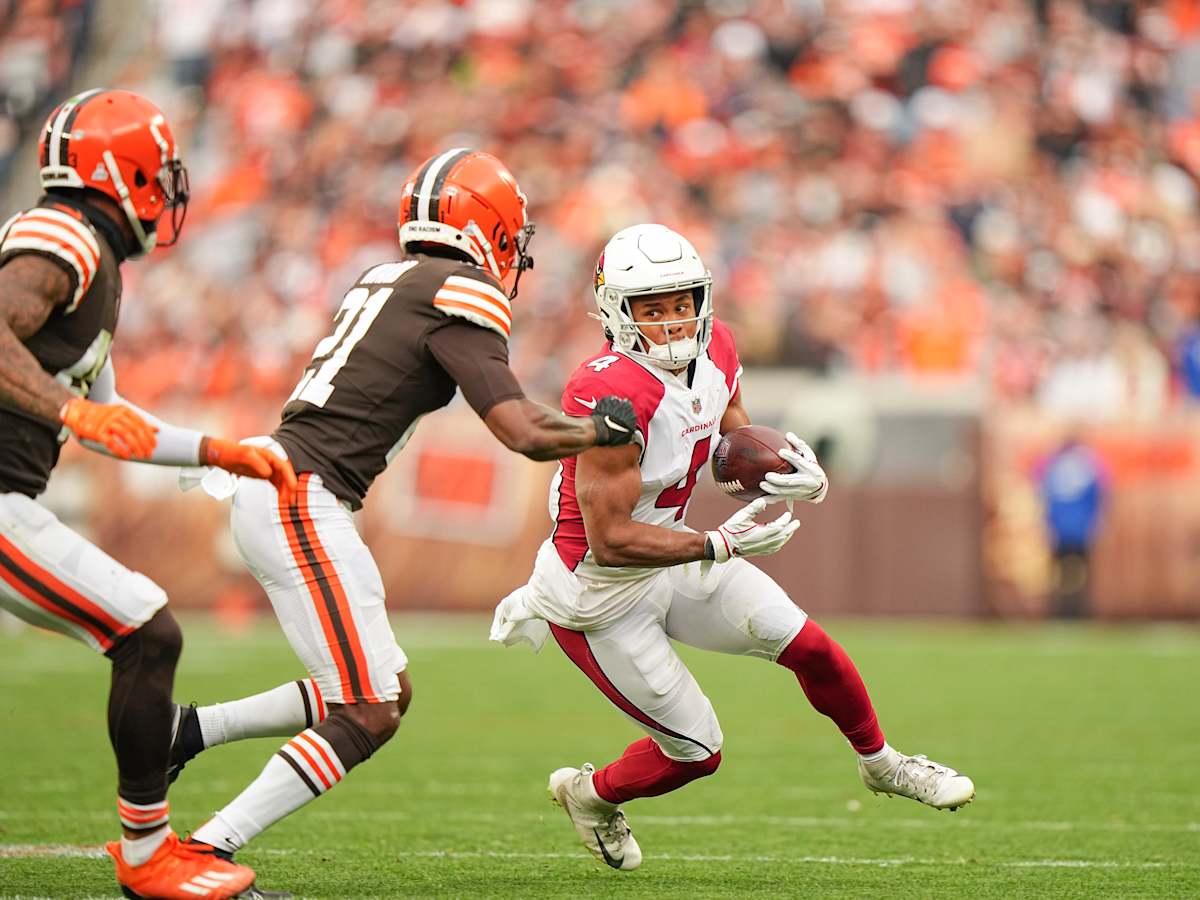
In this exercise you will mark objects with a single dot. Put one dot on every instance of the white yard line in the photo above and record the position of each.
(960, 820)
(30, 851)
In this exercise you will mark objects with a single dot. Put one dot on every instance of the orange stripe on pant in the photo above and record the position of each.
(45, 590)
(333, 608)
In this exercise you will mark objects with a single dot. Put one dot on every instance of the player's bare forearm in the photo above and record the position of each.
(607, 482)
(735, 414)
(30, 286)
(539, 432)
(639, 544)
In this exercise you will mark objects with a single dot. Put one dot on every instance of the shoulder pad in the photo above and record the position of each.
(476, 299)
(60, 236)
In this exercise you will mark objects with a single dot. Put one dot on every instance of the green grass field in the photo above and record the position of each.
(1084, 744)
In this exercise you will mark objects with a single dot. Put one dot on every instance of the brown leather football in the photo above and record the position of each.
(744, 456)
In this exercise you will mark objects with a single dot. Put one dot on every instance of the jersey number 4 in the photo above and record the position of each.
(353, 320)
(680, 494)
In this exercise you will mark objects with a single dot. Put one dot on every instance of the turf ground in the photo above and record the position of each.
(1084, 743)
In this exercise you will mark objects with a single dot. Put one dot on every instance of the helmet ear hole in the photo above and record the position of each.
(503, 243)
(139, 179)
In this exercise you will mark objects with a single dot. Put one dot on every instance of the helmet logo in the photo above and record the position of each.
(101, 173)
(599, 279)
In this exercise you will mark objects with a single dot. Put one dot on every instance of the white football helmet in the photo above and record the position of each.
(652, 259)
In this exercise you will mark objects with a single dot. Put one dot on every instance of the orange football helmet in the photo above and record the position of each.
(119, 144)
(468, 200)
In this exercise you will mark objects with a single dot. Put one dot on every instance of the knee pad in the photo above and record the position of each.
(351, 740)
(158, 642)
(378, 721)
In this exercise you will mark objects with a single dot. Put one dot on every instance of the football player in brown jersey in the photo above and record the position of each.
(407, 334)
(110, 169)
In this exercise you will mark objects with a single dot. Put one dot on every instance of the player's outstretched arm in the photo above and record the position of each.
(541, 433)
(608, 483)
(176, 446)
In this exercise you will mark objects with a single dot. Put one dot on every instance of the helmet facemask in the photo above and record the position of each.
(176, 191)
(616, 312)
(521, 254)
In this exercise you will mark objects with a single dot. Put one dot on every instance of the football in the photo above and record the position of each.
(744, 456)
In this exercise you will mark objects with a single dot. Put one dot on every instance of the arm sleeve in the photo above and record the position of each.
(175, 446)
(477, 359)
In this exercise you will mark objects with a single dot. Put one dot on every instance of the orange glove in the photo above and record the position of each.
(118, 428)
(251, 462)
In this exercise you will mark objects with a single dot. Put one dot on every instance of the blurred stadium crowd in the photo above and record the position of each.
(999, 189)
(41, 41)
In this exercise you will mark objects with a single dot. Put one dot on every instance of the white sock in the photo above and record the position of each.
(303, 769)
(136, 851)
(882, 760)
(279, 712)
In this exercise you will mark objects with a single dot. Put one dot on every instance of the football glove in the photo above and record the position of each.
(116, 427)
(615, 421)
(251, 462)
(808, 483)
(742, 536)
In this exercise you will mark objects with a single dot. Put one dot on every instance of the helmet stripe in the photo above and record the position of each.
(424, 189)
(440, 180)
(60, 136)
(416, 194)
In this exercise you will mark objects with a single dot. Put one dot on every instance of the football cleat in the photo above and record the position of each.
(181, 870)
(920, 778)
(600, 824)
(252, 892)
(186, 740)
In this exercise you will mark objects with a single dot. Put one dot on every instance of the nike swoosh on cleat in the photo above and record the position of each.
(615, 863)
(590, 404)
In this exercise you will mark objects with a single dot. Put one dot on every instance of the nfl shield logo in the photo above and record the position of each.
(696, 405)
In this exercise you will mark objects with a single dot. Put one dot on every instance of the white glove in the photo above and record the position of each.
(808, 483)
(742, 536)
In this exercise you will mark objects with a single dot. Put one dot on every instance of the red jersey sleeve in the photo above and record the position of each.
(610, 374)
(723, 352)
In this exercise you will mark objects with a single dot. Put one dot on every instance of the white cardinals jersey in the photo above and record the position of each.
(679, 417)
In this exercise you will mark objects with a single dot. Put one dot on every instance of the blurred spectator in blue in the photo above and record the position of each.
(1073, 487)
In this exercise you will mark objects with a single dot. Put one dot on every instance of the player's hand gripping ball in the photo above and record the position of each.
(756, 461)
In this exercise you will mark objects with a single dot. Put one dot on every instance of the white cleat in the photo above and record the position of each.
(601, 825)
(920, 779)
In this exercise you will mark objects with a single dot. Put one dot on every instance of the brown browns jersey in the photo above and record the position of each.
(407, 333)
(72, 345)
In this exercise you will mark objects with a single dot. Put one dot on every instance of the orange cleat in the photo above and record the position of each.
(181, 870)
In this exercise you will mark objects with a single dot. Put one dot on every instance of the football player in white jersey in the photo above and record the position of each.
(622, 574)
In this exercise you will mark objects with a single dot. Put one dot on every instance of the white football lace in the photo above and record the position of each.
(919, 773)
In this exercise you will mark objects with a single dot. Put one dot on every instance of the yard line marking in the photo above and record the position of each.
(28, 851)
(930, 822)
(959, 822)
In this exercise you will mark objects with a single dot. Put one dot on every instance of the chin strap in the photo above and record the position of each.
(144, 241)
